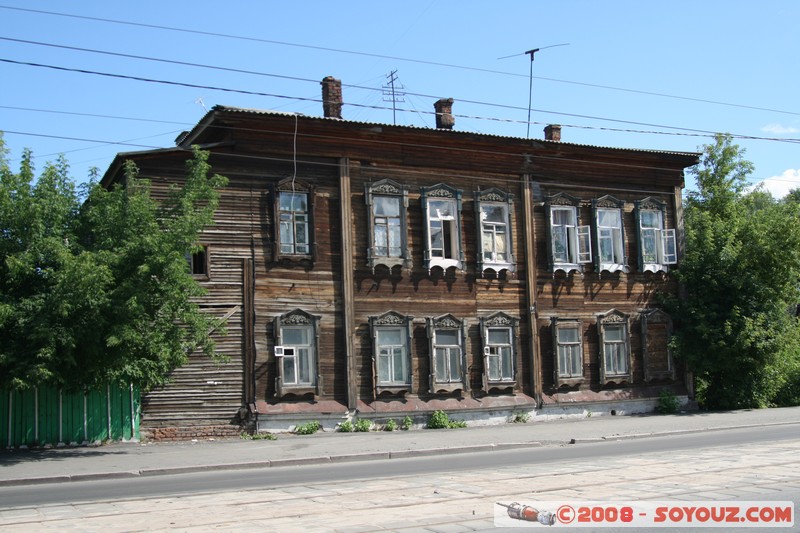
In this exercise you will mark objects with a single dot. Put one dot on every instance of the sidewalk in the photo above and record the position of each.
(118, 460)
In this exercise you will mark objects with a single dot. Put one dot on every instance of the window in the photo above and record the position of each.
(391, 334)
(499, 332)
(294, 223)
(442, 212)
(295, 352)
(609, 235)
(656, 333)
(294, 235)
(198, 261)
(567, 339)
(657, 245)
(493, 208)
(446, 337)
(614, 347)
(570, 243)
(387, 202)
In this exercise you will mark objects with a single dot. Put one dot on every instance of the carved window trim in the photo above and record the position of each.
(505, 351)
(451, 324)
(494, 197)
(392, 322)
(656, 244)
(298, 187)
(569, 242)
(571, 373)
(616, 364)
(391, 189)
(451, 246)
(297, 319)
(605, 233)
(656, 316)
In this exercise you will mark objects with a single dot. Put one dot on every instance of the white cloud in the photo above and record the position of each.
(779, 129)
(780, 186)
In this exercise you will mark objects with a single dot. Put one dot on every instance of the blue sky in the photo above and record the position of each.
(654, 75)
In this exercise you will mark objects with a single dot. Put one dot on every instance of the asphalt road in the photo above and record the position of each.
(266, 478)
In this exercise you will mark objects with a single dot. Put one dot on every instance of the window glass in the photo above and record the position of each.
(392, 361)
(298, 358)
(294, 223)
(494, 241)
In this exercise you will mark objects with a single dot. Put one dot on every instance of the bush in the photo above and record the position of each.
(308, 428)
(440, 420)
(391, 425)
(667, 403)
(363, 425)
(346, 427)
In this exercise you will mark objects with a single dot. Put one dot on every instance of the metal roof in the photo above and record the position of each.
(208, 119)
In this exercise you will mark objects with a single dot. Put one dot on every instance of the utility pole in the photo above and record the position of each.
(390, 93)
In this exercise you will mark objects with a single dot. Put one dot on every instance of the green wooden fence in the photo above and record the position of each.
(42, 416)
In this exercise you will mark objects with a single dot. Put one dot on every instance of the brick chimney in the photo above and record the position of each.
(444, 114)
(331, 97)
(552, 132)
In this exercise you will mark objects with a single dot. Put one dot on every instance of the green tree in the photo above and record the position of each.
(740, 274)
(96, 287)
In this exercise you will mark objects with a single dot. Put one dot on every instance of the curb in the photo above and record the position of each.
(366, 456)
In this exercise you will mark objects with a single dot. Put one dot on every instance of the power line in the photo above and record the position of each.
(274, 95)
(396, 58)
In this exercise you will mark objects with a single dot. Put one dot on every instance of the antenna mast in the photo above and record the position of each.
(390, 93)
(530, 79)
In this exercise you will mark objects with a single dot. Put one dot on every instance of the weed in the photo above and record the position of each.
(308, 428)
(346, 427)
(408, 423)
(520, 418)
(363, 425)
(440, 420)
(391, 425)
(668, 403)
(259, 435)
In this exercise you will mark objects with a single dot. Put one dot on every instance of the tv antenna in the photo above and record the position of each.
(531, 53)
(391, 94)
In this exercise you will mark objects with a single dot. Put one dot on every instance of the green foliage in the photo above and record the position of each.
(391, 425)
(346, 427)
(363, 425)
(259, 435)
(408, 423)
(309, 428)
(440, 420)
(94, 287)
(668, 403)
(741, 269)
(520, 417)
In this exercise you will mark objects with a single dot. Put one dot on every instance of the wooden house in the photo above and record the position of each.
(380, 271)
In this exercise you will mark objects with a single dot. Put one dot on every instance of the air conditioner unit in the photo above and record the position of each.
(281, 351)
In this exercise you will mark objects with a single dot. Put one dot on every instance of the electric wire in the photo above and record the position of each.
(395, 58)
(297, 98)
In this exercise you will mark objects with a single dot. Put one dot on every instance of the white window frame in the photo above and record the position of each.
(386, 354)
(663, 240)
(450, 253)
(454, 378)
(613, 235)
(576, 237)
(287, 353)
(402, 257)
(488, 257)
(293, 226)
(615, 355)
(504, 354)
(568, 355)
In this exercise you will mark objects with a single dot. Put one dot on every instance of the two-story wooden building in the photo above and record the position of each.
(379, 271)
